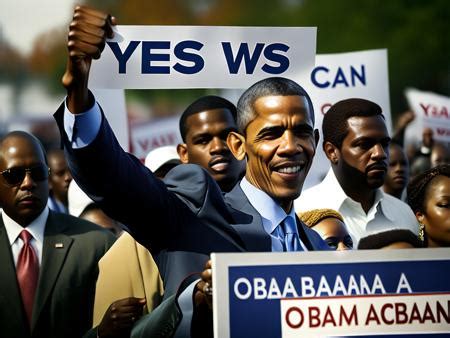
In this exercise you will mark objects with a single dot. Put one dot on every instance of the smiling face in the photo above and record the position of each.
(279, 146)
(362, 160)
(206, 146)
(25, 201)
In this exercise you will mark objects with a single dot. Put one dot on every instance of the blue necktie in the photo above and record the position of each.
(291, 240)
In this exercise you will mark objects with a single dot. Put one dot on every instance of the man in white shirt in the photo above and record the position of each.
(356, 143)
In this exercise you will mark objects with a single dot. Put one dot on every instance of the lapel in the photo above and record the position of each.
(55, 249)
(10, 294)
(248, 222)
(304, 236)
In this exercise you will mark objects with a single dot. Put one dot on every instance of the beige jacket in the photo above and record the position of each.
(127, 270)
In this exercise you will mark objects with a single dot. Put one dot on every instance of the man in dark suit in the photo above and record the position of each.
(48, 261)
(190, 217)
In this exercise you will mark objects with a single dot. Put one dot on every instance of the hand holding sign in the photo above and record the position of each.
(204, 287)
(86, 40)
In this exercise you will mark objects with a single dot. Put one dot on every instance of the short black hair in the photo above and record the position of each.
(417, 188)
(204, 103)
(385, 238)
(334, 125)
(267, 87)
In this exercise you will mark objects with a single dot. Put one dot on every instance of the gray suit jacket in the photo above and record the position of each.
(65, 296)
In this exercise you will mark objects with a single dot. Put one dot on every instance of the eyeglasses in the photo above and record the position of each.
(16, 175)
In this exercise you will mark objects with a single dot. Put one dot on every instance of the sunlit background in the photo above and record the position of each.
(33, 52)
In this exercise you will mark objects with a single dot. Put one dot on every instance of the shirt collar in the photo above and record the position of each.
(386, 209)
(338, 197)
(35, 228)
(265, 205)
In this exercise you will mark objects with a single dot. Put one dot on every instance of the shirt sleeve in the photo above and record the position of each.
(81, 129)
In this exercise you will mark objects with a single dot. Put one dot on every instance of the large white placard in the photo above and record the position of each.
(332, 294)
(336, 77)
(432, 111)
(202, 57)
(113, 103)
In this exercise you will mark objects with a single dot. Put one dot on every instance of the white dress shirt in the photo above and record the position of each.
(35, 228)
(386, 213)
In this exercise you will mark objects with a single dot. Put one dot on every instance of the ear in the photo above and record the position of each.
(183, 153)
(331, 151)
(316, 137)
(420, 216)
(236, 144)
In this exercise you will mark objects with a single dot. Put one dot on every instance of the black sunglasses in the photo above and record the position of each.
(16, 175)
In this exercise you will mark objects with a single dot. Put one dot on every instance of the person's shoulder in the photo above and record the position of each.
(398, 209)
(394, 202)
(78, 227)
(186, 172)
(192, 184)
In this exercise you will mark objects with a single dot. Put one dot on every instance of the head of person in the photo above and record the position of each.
(427, 137)
(24, 177)
(60, 175)
(80, 205)
(440, 154)
(419, 165)
(356, 142)
(204, 127)
(390, 239)
(330, 226)
(161, 160)
(398, 171)
(276, 136)
(429, 198)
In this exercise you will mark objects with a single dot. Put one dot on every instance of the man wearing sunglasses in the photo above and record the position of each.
(47, 290)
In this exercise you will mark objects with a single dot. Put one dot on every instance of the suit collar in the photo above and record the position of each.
(55, 249)
(248, 224)
(247, 221)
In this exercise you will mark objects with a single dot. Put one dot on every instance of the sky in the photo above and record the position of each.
(21, 21)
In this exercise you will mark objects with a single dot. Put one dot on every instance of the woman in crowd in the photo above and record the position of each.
(330, 226)
(429, 198)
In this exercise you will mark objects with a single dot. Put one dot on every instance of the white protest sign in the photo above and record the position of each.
(336, 77)
(113, 104)
(202, 57)
(148, 136)
(432, 111)
(332, 294)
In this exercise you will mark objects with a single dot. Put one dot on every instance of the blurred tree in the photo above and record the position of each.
(13, 70)
(48, 58)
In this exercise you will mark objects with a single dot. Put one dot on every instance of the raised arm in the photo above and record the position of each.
(88, 32)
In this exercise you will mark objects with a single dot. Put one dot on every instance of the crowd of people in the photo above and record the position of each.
(233, 185)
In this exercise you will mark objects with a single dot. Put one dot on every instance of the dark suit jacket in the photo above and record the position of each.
(65, 296)
(181, 220)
